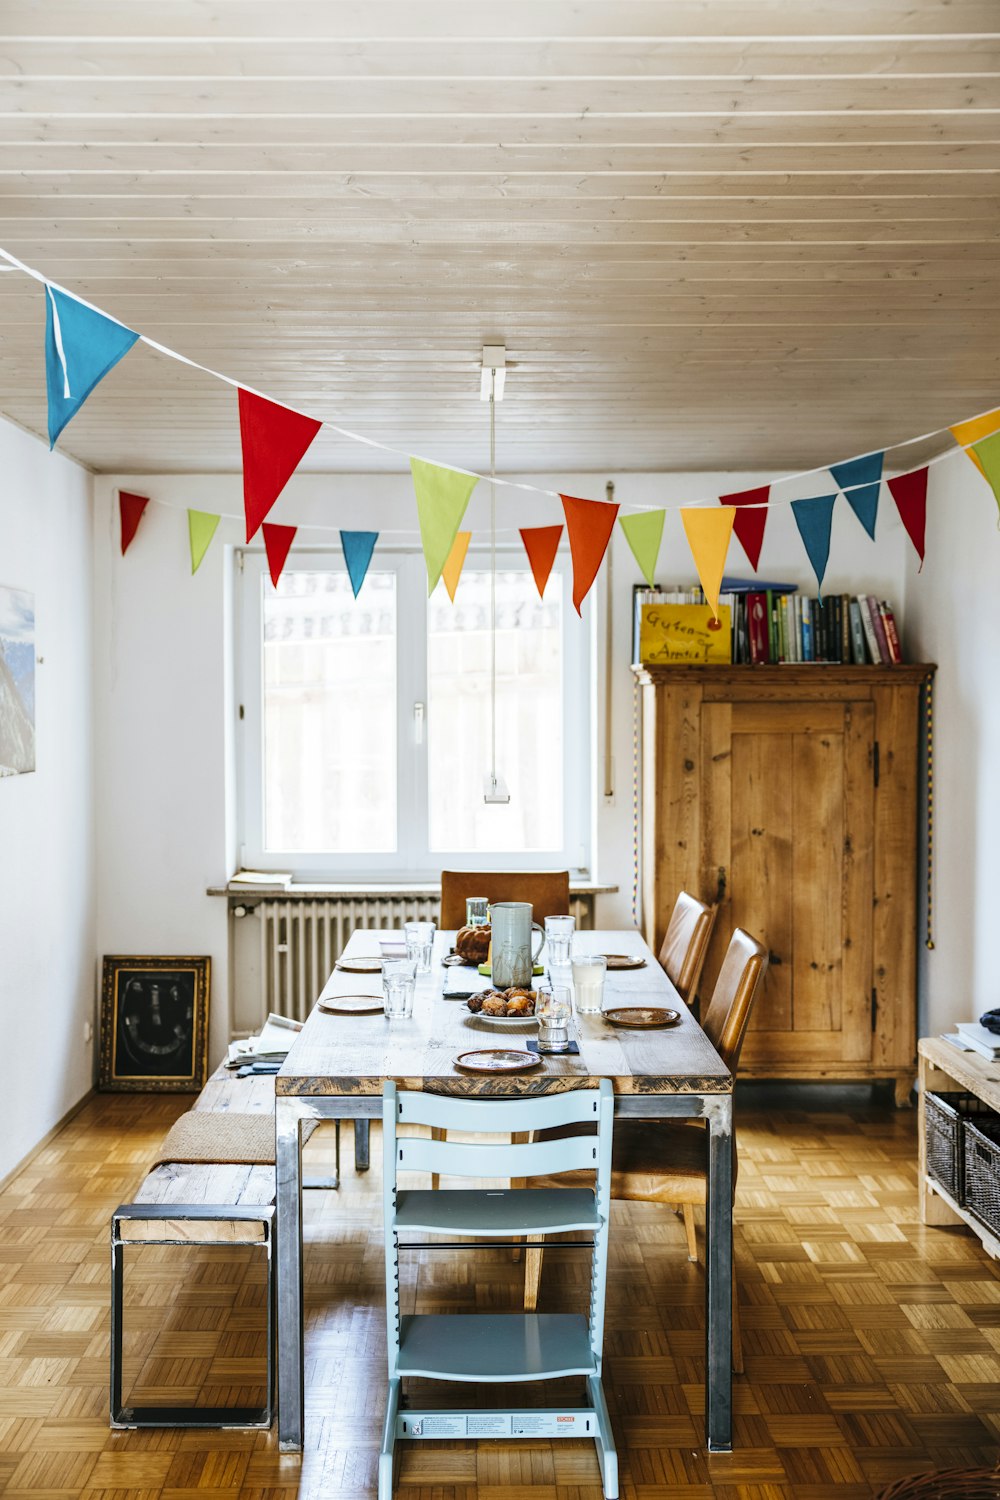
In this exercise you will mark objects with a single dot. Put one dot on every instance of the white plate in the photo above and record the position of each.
(359, 965)
(503, 1023)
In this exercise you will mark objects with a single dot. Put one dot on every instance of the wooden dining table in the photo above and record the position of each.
(338, 1064)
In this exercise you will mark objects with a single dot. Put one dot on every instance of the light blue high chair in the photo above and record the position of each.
(497, 1347)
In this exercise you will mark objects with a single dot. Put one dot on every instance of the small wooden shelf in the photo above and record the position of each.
(944, 1067)
(495, 1346)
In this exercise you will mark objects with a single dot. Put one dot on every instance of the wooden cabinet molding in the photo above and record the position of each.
(790, 794)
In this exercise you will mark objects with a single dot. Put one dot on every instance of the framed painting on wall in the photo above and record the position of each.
(154, 1024)
(17, 681)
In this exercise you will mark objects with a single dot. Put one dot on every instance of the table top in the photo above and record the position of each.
(356, 1054)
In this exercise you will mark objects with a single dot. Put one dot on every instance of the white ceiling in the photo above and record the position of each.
(712, 233)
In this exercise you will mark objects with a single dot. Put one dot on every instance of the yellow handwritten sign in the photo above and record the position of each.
(683, 632)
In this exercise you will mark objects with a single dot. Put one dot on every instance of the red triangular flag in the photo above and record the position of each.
(541, 544)
(589, 524)
(749, 524)
(910, 494)
(130, 508)
(277, 541)
(274, 440)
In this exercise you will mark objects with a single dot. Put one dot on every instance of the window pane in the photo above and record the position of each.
(330, 713)
(529, 715)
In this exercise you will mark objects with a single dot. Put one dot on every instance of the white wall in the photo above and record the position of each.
(953, 618)
(47, 972)
(162, 674)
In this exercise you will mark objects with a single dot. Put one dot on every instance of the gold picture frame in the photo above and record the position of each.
(154, 1024)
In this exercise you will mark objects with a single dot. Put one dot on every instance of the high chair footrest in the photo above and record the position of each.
(495, 1346)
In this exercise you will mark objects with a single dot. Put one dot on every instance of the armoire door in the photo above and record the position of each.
(788, 818)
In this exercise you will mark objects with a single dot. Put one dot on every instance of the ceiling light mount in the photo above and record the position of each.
(494, 372)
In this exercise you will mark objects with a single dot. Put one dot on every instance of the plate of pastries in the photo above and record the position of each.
(501, 1008)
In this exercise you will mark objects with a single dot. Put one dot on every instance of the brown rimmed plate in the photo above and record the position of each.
(624, 960)
(497, 1060)
(359, 965)
(351, 1005)
(641, 1016)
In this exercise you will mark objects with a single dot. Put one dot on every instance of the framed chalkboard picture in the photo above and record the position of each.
(154, 1024)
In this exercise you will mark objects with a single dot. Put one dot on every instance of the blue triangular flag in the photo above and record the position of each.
(358, 548)
(859, 479)
(814, 518)
(81, 346)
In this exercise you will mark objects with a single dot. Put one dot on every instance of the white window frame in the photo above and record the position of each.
(412, 861)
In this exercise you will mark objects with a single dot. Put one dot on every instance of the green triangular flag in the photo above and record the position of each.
(988, 453)
(442, 495)
(643, 532)
(201, 529)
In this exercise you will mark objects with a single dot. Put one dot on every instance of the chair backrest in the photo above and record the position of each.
(547, 890)
(685, 943)
(539, 1158)
(737, 987)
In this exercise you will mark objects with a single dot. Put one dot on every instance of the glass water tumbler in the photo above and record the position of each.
(477, 911)
(558, 938)
(419, 944)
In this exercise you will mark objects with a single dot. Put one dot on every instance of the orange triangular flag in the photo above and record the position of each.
(541, 544)
(130, 509)
(589, 524)
(708, 533)
(452, 570)
(274, 440)
(277, 541)
(971, 431)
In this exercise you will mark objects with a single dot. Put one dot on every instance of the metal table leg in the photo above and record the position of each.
(719, 1280)
(288, 1156)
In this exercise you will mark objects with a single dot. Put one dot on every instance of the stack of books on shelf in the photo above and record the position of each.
(773, 623)
(972, 1036)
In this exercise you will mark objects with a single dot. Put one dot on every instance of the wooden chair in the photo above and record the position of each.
(547, 890)
(489, 1347)
(667, 1161)
(685, 944)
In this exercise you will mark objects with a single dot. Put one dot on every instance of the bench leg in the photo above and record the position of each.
(117, 1293)
(361, 1138)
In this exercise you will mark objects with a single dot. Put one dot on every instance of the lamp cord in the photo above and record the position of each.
(493, 580)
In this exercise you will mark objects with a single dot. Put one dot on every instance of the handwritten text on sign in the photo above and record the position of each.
(684, 632)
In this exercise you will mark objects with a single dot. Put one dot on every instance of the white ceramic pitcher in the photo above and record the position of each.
(513, 960)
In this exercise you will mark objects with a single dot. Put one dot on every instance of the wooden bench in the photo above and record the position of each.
(206, 1202)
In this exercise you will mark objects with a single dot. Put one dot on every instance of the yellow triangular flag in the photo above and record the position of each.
(976, 428)
(708, 533)
(201, 529)
(452, 570)
(442, 495)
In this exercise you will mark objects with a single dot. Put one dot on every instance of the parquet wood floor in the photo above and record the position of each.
(872, 1343)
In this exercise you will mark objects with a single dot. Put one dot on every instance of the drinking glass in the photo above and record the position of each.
(558, 937)
(395, 970)
(398, 997)
(554, 1007)
(477, 911)
(419, 944)
(588, 982)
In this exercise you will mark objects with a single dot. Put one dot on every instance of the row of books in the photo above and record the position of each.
(776, 624)
(973, 1036)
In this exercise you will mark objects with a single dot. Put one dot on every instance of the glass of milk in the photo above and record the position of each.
(588, 982)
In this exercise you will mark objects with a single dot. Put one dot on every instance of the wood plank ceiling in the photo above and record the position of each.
(711, 233)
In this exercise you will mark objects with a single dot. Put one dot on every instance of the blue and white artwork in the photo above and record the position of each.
(17, 681)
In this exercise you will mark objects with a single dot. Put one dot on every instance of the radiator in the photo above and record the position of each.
(284, 966)
(300, 941)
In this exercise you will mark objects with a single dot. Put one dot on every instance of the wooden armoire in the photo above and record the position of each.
(790, 795)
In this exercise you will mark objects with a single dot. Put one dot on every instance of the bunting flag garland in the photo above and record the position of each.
(442, 497)
(541, 543)
(749, 524)
(454, 562)
(988, 454)
(81, 346)
(644, 532)
(358, 547)
(708, 533)
(201, 529)
(130, 509)
(589, 524)
(814, 518)
(910, 494)
(859, 479)
(973, 430)
(277, 544)
(275, 440)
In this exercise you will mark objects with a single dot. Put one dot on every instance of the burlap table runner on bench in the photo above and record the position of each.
(223, 1138)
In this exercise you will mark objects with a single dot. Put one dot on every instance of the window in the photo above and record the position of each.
(366, 723)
